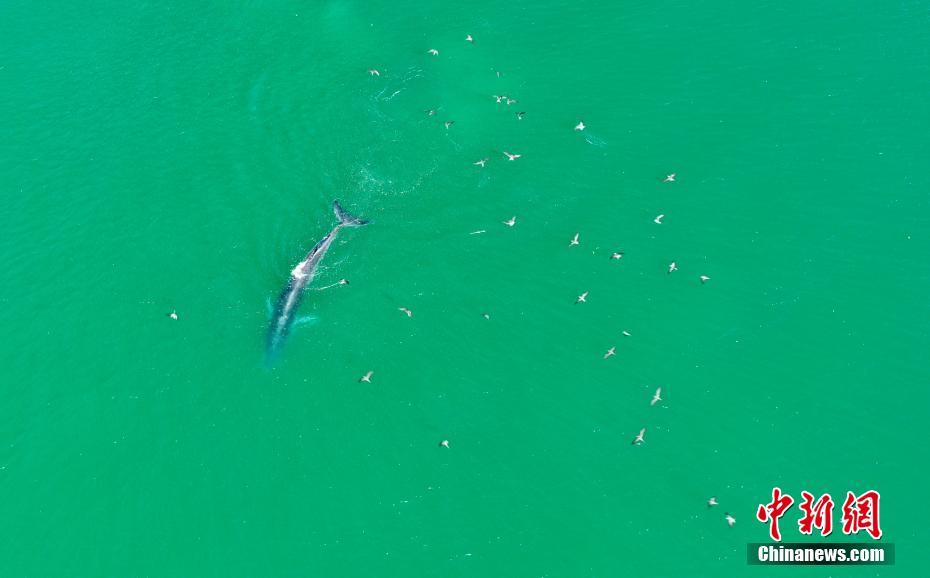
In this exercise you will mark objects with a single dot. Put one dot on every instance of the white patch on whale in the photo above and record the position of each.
(298, 272)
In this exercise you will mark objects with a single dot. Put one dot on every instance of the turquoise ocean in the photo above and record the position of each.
(184, 156)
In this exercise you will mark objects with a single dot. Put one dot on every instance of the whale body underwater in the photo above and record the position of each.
(301, 276)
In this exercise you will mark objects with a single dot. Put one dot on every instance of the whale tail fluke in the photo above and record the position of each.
(345, 218)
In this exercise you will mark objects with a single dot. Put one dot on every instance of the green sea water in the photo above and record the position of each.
(159, 156)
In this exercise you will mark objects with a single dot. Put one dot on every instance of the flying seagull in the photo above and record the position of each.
(670, 178)
(511, 157)
(582, 298)
(574, 241)
(406, 311)
(579, 126)
(658, 220)
(639, 439)
(657, 397)
(366, 378)
(511, 222)
(610, 352)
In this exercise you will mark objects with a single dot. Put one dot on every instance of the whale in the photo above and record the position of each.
(285, 310)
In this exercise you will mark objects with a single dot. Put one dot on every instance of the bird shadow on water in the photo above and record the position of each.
(595, 141)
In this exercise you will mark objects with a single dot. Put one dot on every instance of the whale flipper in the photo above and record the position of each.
(345, 218)
(305, 319)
